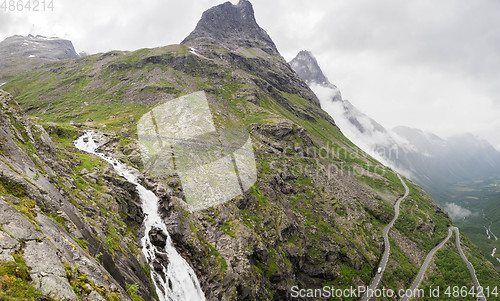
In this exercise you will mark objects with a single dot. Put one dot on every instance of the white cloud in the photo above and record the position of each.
(456, 212)
(426, 64)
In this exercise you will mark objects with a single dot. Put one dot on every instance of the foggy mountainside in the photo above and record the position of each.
(461, 173)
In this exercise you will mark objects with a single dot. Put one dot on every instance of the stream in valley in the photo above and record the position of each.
(175, 282)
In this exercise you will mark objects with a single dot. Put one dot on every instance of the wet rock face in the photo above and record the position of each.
(160, 262)
(158, 237)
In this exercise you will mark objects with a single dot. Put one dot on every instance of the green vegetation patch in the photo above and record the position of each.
(400, 271)
(82, 285)
(15, 282)
(132, 292)
(112, 240)
(11, 188)
(219, 260)
(451, 271)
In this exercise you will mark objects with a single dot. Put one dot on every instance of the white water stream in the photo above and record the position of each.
(493, 254)
(492, 234)
(487, 233)
(177, 281)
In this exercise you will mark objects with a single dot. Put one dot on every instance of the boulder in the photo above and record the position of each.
(15, 224)
(7, 246)
(47, 271)
(158, 237)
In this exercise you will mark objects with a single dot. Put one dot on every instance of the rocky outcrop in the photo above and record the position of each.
(306, 66)
(246, 46)
(7, 247)
(47, 271)
(308, 69)
(60, 236)
(233, 26)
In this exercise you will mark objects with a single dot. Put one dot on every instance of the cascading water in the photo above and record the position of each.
(175, 282)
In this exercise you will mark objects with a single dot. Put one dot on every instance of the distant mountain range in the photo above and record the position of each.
(453, 171)
(423, 156)
(360, 128)
(24, 53)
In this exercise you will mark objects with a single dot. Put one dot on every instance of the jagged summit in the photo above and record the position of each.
(306, 66)
(233, 26)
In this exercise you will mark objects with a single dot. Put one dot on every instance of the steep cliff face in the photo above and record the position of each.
(65, 217)
(316, 212)
(232, 26)
(364, 131)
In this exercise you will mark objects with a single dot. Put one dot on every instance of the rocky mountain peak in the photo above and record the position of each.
(306, 66)
(37, 47)
(19, 54)
(234, 26)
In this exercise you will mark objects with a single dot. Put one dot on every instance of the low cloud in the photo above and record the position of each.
(457, 212)
(426, 64)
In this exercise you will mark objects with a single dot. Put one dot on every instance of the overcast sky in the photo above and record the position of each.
(433, 65)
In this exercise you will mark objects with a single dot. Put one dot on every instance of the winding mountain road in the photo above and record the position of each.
(425, 265)
(469, 265)
(428, 259)
(385, 258)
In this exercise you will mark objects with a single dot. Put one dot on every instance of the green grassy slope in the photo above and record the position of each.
(315, 215)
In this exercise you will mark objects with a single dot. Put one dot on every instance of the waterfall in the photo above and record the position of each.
(175, 282)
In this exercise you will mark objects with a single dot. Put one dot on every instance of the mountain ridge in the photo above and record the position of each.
(232, 25)
(314, 217)
(25, 53)
(445, 168)
(307, 67)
